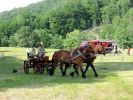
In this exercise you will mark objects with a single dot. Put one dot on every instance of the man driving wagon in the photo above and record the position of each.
(41, 51)
(36, 61)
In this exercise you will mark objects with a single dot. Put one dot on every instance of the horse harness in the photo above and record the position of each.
(79, 54)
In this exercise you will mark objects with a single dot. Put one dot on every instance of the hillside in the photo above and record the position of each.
(51, 20)
(37, 8)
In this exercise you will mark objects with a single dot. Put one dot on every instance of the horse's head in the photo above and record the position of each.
(88, 50)
(99, 49)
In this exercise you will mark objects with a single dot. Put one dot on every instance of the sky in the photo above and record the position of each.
(10, 4)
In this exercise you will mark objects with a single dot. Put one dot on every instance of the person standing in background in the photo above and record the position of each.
(128, 51)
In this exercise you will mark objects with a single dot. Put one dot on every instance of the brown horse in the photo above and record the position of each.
(63, 57)
(99, 49)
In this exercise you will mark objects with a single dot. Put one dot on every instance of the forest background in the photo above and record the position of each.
(65, 23)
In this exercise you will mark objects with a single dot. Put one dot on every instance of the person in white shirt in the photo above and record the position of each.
(32, 54)
(28, 52)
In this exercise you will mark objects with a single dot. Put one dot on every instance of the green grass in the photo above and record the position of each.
(114, 83)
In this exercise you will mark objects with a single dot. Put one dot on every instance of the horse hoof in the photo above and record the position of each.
(72, 74)
(83, 76)
(63, 74)
(96, 75)
(51, 73)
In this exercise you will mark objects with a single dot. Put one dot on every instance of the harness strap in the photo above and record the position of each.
(75, 57)
(79, 54)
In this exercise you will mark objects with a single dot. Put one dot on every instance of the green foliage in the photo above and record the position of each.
(107, 32)
(124, 30)
(48, 19)
(46, 37)
(4, 41)
(57, 42)
(74, 39)
(23, 35)
(13, 41)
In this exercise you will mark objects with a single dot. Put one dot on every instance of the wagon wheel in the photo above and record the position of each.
(26, 67)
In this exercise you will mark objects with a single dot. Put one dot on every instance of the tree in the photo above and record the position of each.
(22, 36)
(4, 41)
(124, 31)
(13, 40)
(57, 42)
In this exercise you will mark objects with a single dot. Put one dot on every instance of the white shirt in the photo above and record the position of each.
(27, 50)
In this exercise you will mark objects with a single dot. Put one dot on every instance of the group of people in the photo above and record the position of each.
(116, 50)
(40, 52)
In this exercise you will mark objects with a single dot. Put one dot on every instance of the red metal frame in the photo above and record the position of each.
(108, 45)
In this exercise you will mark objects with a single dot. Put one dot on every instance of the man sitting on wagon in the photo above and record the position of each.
(41, 51)
(32, 54)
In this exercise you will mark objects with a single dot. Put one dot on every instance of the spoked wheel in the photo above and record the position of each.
(26, 67)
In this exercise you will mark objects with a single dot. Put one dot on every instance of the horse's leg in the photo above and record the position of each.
(93, 68)
(47, 69)
(33, 66)
(87, 66)
(72, 73)
(42, 68)
(66, 66)
(75, 66)
(61, 68)
(81, 69)
(76, 69)
(51, 70)
(80, 65)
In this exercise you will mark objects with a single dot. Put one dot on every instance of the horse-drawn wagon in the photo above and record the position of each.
(38, 65)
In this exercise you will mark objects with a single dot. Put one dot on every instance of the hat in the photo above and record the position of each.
(33, 48)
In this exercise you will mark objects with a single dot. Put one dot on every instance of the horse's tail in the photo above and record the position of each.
(51, 71)
(53, 57)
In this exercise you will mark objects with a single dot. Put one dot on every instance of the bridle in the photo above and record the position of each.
(96, 46)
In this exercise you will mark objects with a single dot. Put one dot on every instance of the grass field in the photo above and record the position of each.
(114, 83)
